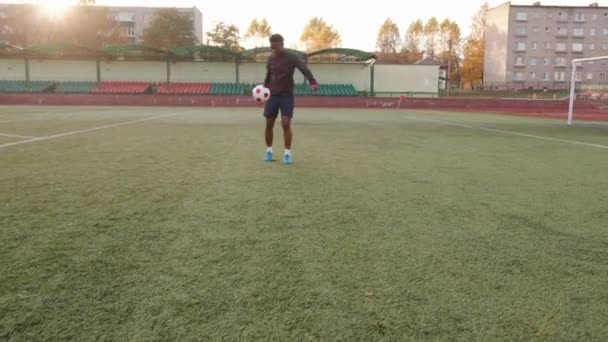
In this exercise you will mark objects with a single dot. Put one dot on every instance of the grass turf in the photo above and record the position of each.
(385, 228)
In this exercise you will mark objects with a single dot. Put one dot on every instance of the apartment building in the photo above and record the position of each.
(535, 44)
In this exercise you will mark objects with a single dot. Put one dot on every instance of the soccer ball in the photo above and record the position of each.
(261, 93)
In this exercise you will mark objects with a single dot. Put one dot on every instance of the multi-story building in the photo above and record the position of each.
(132, 21)
(533, 45)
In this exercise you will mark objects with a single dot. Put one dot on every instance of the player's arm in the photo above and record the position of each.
(267, 79)
(307, 73)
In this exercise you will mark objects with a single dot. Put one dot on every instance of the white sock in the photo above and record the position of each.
(269, 149)
(287, 152)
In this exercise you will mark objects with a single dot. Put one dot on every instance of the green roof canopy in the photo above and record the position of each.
(342, 55)
(205, 53)
(58, 50)
(134, 51)
(265, 51)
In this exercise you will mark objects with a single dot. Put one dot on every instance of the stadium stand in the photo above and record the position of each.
(21, 86)
(185, 88)
(75, 87)
(122, 88)
(228, 89)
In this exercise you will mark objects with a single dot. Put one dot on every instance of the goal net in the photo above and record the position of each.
(589, 83)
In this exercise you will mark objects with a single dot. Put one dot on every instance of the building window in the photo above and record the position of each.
(545, 76)
(579, 76)
(518, 76)
(547, 46)
(535, 29)
(589, 76)
(562, 16)
(591, 46)
(594, 16)
(603, 76)
(548, 30)
(519, 61)
(604, 46)
(534, 45)
(559, 76)
(533, 61)
(521, 31)
(578, 32)
(561, 47)
(520, 46)
(560, 61)
(562, 31)
(592, 31)
(546, 61)
(605, 31)
(521, 16)
(579, 17)
(577, 47)
(532, 75)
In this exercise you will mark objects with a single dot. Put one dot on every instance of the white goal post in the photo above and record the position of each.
(575, 63)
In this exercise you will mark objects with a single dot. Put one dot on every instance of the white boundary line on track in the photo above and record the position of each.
(16, 136)
(60, 135)
(499, 131)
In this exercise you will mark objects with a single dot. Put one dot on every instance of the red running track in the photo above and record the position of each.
(585, 110)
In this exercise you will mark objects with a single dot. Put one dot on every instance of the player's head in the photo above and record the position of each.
(276, 43)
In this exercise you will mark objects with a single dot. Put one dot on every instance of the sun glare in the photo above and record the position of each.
(56, 9)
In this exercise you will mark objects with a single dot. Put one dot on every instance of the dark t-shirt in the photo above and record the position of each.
(280, 69)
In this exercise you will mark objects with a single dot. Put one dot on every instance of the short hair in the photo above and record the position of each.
(276, 38)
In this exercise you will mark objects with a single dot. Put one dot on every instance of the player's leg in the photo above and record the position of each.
(271, 111)
(287, 108)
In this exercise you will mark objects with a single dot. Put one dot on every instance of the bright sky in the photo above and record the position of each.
(357, 24)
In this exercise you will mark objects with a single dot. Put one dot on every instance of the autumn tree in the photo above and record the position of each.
(259, 31)
(472, 69)
(226, 36)
(389, 39)
(169, 29)
(319, 35)
(431, 33)
(412, 44)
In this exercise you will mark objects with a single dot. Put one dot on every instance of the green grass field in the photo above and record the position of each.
(164, 224)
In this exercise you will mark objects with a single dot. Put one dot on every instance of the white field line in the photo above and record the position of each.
(499, 131)
(61, 135)
(16, 136)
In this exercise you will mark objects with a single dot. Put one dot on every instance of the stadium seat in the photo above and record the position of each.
(21, 87)
(185, 88)
(229, 89)
(121, 88)
(327, 90)
(75, 87)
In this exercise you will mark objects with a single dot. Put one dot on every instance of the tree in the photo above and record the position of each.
(431, 31)
(319, 35)
(388, 37)
(259, 31)
(226, 36)
(169, 29)
(472, 68)
(96, 28)
(449, 47)
(412, 46)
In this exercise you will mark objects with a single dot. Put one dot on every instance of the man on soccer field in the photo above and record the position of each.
(279, 79)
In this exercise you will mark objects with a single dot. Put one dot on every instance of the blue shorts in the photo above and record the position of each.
(284, 103)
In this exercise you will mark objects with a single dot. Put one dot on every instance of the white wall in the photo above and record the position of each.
(355, 74)
(12, 69)
(63, 70)
(203, 72)
(133, 71)
(406, 78)
(388, 78)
